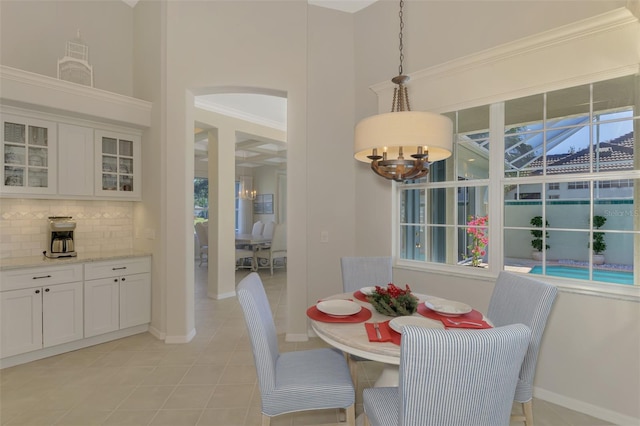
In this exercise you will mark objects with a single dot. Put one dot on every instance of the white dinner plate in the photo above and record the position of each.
(447, 307)
(396, 324)
(339, 308)
(367, 290)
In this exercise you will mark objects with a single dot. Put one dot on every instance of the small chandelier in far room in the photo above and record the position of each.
(384, 139)
(246, 191)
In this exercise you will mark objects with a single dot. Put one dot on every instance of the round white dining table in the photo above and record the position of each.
(352, 338)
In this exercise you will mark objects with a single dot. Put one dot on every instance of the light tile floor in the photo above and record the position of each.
(210, 381)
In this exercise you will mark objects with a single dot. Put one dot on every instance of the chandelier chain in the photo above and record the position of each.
(400, 14)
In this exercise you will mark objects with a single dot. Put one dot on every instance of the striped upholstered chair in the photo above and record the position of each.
(451, 377)
(358, 272)
(314, 379)
(520, 299)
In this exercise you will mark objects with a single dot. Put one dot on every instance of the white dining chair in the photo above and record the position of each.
(277, 249)
(203, 241)
(257, 228)
(518, 298)
(314, 379)
(451, 377)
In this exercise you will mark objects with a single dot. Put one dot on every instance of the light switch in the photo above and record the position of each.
(324, 236)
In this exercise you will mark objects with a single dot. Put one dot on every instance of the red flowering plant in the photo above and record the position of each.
(393, 301)
(477, 229)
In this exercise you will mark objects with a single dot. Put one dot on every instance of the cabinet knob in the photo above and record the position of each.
(115, 280)
(37, 291)
(47, 290)
(123, 278)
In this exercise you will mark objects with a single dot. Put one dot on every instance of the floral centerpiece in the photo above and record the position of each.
(393, 301)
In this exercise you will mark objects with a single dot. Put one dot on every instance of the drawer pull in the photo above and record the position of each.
(44, 276)
(116, 269)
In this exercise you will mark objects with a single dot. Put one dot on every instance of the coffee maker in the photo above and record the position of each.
(60, 242)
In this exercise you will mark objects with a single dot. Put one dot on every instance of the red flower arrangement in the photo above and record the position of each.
(393, 301)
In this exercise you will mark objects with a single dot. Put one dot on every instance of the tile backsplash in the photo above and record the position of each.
(101, 225)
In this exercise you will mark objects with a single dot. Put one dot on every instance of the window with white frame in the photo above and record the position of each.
(567, 166)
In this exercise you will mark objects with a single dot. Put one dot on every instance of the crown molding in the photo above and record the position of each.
(241, 115)
(609, 47)
(35, 91)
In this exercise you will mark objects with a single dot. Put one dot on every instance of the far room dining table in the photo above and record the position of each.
(255, 241)
(352, 337)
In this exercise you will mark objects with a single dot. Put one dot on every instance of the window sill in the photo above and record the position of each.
(590, 288)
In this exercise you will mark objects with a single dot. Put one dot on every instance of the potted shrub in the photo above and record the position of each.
(598, 244)
(536, 241)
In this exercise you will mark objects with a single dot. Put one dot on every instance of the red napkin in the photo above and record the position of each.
(387, 334)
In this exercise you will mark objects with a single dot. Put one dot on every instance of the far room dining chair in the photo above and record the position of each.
(257, 228)
(314, 379)
(203, 241)
(358, 272)
(277, 249)
(451, 377)
(517, 298)
(267, 231)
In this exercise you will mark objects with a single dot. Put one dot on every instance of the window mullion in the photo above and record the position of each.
(496, 194)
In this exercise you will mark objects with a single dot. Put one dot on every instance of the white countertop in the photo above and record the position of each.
(40, 261)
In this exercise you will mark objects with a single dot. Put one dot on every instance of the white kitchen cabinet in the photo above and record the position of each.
(135, 300)
(28, 155)
(40, 317)
(101, 306)
(117, 295)
(21, 321)
(75, 160)
(117, 165)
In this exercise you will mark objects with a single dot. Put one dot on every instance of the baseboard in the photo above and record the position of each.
(180, 339)
(71, 346)
(586, 408)
(222, 295)
(160, 335)
(296, 337)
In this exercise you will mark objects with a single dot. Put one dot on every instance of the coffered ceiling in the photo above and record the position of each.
(251, 150)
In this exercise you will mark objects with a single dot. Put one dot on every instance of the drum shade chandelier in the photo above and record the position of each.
(385, 139)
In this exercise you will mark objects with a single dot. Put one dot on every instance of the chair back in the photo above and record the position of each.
(203, 234)
(459, 377)
(358, 272)
(257, 228)
(517, 298)
(279, 240)
(261, 328)
(267, 232)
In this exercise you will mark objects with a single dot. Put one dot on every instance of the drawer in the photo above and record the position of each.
(17, 279)
(116, 268)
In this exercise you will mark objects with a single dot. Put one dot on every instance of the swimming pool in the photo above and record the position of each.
(617, 277)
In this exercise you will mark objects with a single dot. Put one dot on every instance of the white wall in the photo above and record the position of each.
(34, 35)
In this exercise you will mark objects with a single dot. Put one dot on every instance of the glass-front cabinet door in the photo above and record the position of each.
(28, 155)
(118, 164)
